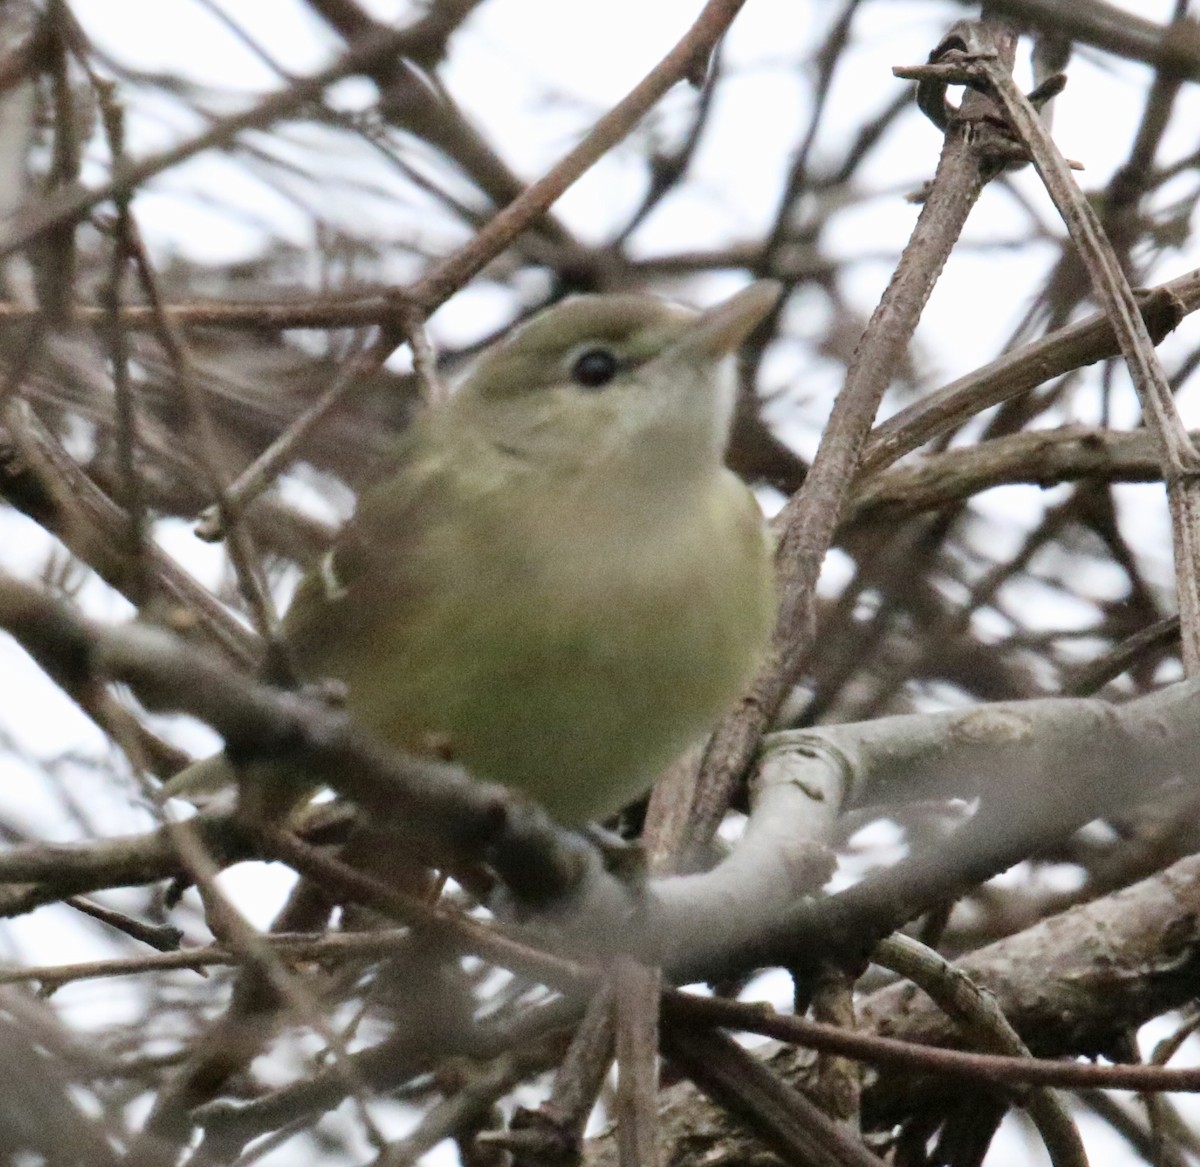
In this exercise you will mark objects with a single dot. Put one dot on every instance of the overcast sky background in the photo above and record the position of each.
(588, 54)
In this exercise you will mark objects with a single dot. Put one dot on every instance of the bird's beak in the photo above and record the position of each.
(723, 328)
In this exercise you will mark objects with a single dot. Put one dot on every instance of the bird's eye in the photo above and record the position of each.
(594, 368)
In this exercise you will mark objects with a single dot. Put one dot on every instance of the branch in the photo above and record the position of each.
(1038, 457)
(1068, 985)
(1040, 769)
(36, 217)
(456, 818)
(1015, 373)
(1173, 48)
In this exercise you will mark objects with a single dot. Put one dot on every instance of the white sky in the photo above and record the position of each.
(588, 53)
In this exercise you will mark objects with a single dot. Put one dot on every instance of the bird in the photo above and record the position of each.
(558, 583)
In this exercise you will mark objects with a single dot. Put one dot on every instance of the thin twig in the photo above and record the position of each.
(695, 802)
(879, 1050)
(240, 543)
(695, 45)
(1180, 460)
(778, 1113)
(34, 219)
(977, 1012)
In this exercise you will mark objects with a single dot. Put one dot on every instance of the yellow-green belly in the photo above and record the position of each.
(572, 666)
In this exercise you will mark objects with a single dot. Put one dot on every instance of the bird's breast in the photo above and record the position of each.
(574, 648)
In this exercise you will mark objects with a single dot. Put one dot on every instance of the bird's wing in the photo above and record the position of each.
(391, 559)
(373, 568)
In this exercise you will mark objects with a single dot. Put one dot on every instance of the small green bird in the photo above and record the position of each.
(561, 585)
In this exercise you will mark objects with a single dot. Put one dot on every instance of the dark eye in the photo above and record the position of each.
(594, 367)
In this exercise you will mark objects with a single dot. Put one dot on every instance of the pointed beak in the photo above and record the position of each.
(722, 329)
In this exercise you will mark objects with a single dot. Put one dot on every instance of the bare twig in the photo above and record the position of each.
(808, 523)
(35, 219)
(986, 1024)
(1180, 460)
(884, 1051)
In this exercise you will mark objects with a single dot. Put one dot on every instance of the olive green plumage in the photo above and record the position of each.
(560, 581)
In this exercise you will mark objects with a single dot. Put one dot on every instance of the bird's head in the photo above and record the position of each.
(595, 378)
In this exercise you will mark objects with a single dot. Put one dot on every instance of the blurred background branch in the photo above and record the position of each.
(223, 228)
